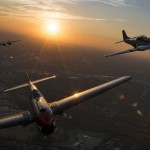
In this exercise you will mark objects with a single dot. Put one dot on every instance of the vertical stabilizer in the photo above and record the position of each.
(27, 75)
(125, 37)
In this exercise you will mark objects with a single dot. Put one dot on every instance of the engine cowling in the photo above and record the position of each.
(47, 130)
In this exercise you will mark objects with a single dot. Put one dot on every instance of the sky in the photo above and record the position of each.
(95, 23)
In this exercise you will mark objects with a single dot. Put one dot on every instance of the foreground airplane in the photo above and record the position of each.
(43, 112)
(8, 42)
(139, 43)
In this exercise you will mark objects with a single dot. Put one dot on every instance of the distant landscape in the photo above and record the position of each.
(115, 120)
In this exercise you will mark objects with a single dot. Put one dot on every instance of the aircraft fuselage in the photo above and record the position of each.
(6, 43)
(42, 113)
(138, 41)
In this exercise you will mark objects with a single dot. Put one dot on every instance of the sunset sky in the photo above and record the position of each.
(91, 22)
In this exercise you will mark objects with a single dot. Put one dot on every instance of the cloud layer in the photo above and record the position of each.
(57, 9)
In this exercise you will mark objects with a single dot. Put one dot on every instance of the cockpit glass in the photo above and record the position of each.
(36, 93)
(142, 36)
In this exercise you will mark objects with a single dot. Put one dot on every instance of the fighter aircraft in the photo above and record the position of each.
(139, 43)
(8, 42)
(43, 112)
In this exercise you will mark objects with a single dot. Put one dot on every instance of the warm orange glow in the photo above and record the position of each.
(53, 28)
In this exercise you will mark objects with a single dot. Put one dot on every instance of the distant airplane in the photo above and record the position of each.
(140, 43)
(43, 112)
(8, 42)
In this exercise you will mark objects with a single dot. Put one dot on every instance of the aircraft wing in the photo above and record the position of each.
(66, 103)
(15, 41)
(1, 43)
(26, 84)
(122, 52)
(22, 118)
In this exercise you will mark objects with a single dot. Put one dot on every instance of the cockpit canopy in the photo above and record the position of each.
(141, 37)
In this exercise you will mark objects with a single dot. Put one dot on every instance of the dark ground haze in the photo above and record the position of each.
(115, 120)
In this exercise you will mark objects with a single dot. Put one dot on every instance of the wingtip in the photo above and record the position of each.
(54, 76)
(107, 55)
(127, 77)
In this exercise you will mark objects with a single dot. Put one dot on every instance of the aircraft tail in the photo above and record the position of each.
(125, 37)
(27, 74)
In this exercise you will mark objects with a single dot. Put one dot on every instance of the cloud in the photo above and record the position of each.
(51, 5)
(118, 3)
(3, 14)
(64, 16)
(51, 9)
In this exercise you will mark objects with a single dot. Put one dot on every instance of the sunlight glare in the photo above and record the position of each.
(53, 28)
(76, 95)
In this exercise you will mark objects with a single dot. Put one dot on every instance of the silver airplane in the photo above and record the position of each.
(139, 43)
(9, 42)
(43, 112)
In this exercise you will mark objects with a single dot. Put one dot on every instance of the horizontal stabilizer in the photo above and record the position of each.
(119, 42)
(66, 103)
(15, 41)
(26, 84)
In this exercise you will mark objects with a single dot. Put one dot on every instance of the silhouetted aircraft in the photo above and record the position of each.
(139, 43)
(9, 42)
(43, 112)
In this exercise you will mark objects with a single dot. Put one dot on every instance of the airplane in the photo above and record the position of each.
(43, 113)
(139, 43)
(8, 42)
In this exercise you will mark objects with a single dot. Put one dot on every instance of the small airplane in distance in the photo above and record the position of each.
(139, 43)
(42, 112)
(8, 42)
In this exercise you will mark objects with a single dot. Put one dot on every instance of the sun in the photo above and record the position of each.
(53, 28)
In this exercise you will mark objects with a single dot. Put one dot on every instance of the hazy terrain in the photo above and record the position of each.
(115, 120)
